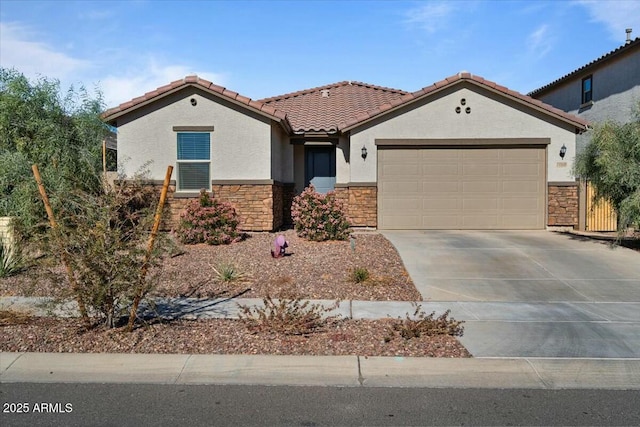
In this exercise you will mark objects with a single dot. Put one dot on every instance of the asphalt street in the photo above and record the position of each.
(177, 405)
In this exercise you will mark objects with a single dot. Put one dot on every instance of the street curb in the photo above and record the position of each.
(333, 371)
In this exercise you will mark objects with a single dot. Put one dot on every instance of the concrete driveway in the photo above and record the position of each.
(529, 293)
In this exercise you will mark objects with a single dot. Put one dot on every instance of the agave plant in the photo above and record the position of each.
(11, 259)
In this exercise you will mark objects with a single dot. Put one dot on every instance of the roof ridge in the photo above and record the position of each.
(329, 86)
(194, 79)
(604, 57)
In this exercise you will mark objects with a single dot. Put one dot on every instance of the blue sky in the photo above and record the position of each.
(267, 48)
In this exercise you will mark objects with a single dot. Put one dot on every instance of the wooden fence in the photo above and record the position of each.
(600, 215)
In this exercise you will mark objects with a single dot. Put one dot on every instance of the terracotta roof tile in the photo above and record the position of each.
(193, 80)
(621, 49)
(310, 110)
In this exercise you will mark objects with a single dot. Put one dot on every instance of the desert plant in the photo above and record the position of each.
(359, 274)
(319, 217)
(427, 324)
(288, 315)
(104, 240)
(11, 259)
(227, 272)
(208, 220)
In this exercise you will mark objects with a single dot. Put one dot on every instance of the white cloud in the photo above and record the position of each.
(616, 15)
(33, 58)
(431, 17)
(119, 88)
(540, 42)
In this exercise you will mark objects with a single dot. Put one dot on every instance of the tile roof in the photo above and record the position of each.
(322, 109)
(624, 48)
(336, 107)
(196, 81)
(449, 81)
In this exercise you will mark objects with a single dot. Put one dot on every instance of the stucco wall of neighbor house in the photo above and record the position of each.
(240, 142)
(616, 92)
(491, 116)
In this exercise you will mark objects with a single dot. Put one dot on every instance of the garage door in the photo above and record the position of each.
(461, 188)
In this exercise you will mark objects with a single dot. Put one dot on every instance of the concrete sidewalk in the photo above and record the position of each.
(340, 371)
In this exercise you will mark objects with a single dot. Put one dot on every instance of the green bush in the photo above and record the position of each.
(208, 220)
(319, 217)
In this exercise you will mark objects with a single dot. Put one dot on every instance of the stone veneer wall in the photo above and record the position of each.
(259, 206)
(361, 203)
(563, 204)
(254, 204)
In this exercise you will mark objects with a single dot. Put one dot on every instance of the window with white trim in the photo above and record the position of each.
(194, 161)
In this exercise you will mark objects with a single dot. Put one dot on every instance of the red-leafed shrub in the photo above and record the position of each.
(319, 217)
(208, 220)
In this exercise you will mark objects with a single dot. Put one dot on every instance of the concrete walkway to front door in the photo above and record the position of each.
(529, 293)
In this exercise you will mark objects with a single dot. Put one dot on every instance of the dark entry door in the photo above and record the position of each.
(320, 168)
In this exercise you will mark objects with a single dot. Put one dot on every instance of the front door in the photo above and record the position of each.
(320, 168)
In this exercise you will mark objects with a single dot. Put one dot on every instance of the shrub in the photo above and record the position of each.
(288, 315)
(427, 324)
(319, 217)
(208, 220)
(359, 275)
(106, 251)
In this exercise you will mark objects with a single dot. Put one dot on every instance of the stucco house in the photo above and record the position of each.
(463, 153)
(607, 88)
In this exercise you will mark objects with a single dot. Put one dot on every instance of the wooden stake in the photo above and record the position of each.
(154, 232)
(63, 255)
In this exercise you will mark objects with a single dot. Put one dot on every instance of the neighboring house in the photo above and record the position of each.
(463, 153)
(607, 88)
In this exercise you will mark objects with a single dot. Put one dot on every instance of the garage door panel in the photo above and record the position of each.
(486, 221)
(439, 186)
(521, 169)
(480, 204)
(482, 170)
(462, 188)
(402, 187)
(439, 222)
(481, 187)
(521, 186)
(441, 205)
(448, 170)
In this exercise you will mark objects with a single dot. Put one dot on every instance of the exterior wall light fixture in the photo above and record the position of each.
(563, 151)
(364, 152)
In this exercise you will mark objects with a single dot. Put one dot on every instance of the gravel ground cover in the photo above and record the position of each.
(221, 336)
(311, 270)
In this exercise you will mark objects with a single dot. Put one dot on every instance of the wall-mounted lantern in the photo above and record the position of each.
(563, 151)
(364, 152)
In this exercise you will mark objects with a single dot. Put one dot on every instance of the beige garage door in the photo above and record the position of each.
(461, 188)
